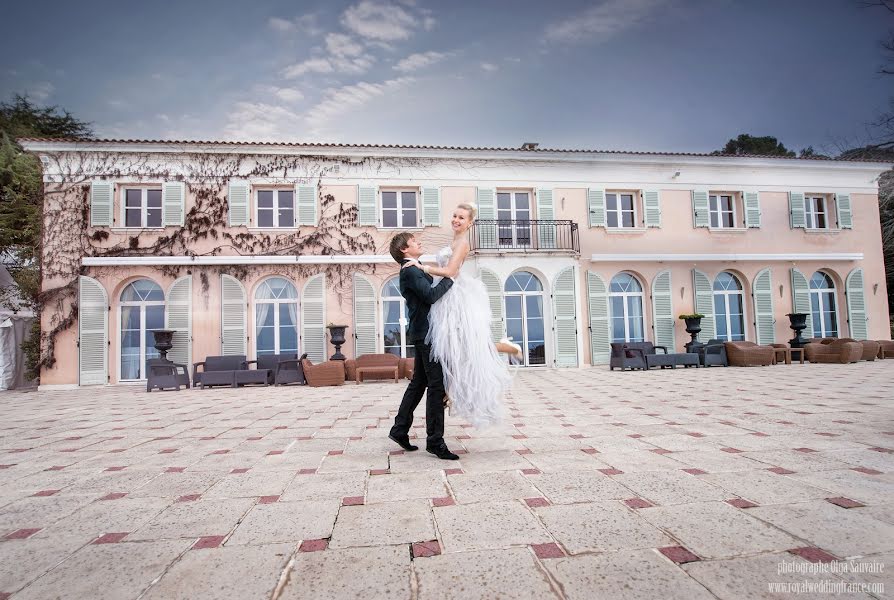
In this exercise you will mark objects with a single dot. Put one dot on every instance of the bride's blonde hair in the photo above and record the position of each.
(471, 208)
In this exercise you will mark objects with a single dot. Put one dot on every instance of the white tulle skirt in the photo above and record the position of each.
(475, 375)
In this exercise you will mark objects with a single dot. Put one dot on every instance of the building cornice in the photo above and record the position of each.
(160, 261)
(784, 257)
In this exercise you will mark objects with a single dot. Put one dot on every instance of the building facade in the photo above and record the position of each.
(246, 248)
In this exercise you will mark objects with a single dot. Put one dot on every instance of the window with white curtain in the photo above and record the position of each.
(276, 317)
(626, 307)
(141, 310)
(729, 308)
(823, 309)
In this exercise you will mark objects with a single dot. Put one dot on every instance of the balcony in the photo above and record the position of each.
(524, 236)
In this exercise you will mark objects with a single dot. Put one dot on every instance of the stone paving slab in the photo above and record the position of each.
(278, 492)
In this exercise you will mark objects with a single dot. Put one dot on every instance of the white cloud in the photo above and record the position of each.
(39, 91)
(288, 94)
(428, 23)
(419, 60)
(489, 67)
(305, 23)
(339, 44)
(312, 65)
(379, 20)
(259, 121)
(350, 97)
(600, 22)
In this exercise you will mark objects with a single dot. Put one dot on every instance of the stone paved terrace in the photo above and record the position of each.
(680, 484)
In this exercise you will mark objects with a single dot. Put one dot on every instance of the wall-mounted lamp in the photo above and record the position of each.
(682, 291)
(675, 175)
(780, 290)
(874, 288)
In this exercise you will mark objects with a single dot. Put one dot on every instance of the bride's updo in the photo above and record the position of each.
(470, 208)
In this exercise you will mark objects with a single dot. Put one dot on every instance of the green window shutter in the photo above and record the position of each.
(801, 299)
(752, 209)
(597, 304)
(307, 205)
(172, 204)
(178, 316)
(704, 303)
(495, 301)
(546, 212)
(237, 199)
(701, 216)
(797, 218)
(856, 305)
(366, 206)
(663, 311)
(843, 203)
(596, 207)
(313, 318)
(565, 315)
(101, 195)
(365, 337)
(431, 207)
(487, 211)
(652, 208)
(764, 318)
(93, 332)
(232, 317)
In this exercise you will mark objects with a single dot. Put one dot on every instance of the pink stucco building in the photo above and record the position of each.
(247, 248)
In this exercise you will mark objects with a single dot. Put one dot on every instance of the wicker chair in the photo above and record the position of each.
(885, 349)
(837, 351)
(328, 373)
(407, 364)
(749, 354)
(372, 360)
(870, 348)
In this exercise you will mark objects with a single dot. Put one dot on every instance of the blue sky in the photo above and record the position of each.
(672, 75)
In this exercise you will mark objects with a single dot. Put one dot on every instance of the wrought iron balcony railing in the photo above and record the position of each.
(537, 235)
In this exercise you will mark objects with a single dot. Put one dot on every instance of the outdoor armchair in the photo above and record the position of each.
(328, 373)
(372, 360)
(282, 368)
(749, 354)
(713, 354)
(837, 351)
(163, 374)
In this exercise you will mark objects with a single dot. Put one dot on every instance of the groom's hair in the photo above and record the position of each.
(399, 243)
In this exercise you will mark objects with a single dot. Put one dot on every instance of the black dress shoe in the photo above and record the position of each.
(403, 442)
(442, 452)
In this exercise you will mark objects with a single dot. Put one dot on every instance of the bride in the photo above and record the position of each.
(475, 376)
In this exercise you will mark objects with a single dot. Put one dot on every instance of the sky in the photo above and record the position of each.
(648, 75)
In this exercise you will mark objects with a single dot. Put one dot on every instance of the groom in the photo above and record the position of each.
(416, 288)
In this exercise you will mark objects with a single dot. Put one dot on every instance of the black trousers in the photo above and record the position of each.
(426, 374)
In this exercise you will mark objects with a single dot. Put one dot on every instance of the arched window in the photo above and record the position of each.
(395, 320)
(823, 308)
(276, 317)
(523, 300)
(626, 307)
(142, 309)
(729, 308)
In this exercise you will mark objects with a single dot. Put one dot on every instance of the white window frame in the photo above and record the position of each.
(810, 212)
(726, 294)
(513, 216)
(720, 212)
(641, 294)
(620, 212)
(142, 304)
(820, 292)
(276, 302)
(524, 294)
(144, 207)
(276, 207)
(417, 222)
(402, 321)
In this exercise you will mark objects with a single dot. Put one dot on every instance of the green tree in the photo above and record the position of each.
(21, 202)
(749, 144)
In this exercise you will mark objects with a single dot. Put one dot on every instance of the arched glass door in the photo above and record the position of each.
(142, 309)
(276, 317)
(823, 308)
(395, 320)
(626, 306)
(523, 299)
(729, 307)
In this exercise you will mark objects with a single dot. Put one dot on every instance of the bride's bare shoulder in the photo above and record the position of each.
(460, 244)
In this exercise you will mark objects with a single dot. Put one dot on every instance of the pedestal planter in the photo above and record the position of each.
(693, 328)
(164, 341)
(337, 337)
(798, 324)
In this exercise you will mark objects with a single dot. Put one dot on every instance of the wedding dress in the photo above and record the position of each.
(476, 377)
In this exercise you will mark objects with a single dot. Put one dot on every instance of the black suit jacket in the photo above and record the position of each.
(416, 288)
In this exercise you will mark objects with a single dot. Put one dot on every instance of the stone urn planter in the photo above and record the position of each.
(798, 323)
(337, 337)
(164, 341)
(693, 328)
